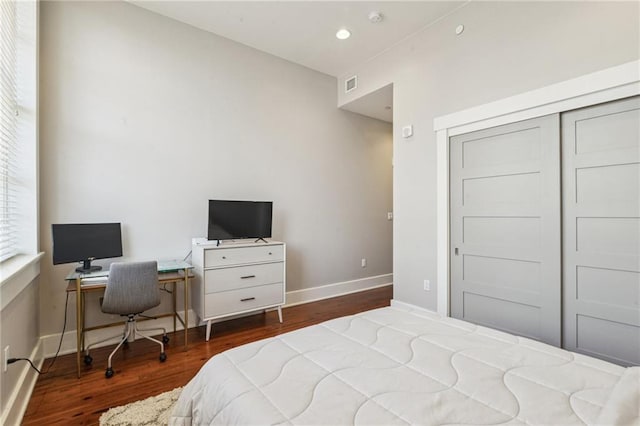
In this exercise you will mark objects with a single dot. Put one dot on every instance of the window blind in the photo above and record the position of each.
(8, 129)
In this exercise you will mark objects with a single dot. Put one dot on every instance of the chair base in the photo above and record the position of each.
(130, 330)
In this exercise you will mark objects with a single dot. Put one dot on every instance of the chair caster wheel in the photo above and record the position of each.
(163, 357)
(165, 339)
(88, 360)
(109, 373)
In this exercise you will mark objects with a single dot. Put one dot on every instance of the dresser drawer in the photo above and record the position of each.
(245, 299)
(239, 255)
(237, 277)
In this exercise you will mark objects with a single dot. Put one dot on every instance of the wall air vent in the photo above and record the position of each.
(350, 84)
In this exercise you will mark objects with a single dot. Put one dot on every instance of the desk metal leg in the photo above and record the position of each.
(83, 316)
(175, 306)
(79, 322)
(186, 306)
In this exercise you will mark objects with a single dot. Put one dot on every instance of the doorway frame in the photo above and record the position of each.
(598, 87)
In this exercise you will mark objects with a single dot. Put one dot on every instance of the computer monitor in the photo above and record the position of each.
(84, 242)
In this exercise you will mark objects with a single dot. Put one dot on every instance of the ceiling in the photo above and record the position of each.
(303, 32)
(377, 104)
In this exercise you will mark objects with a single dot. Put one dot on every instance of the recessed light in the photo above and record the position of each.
(343, 34)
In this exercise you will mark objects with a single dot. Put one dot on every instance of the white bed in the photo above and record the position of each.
(398, 365)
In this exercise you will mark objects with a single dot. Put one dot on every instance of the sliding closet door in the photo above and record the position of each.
(505, 228)
(601, 203)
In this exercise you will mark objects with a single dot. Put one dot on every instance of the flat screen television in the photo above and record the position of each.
(84, 242)
(231, 220)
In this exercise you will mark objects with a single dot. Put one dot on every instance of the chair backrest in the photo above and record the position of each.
(132, 288)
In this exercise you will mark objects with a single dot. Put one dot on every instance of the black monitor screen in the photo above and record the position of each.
(239, 219)
(78, 242)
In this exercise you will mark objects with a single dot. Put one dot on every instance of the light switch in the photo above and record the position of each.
(407, 131)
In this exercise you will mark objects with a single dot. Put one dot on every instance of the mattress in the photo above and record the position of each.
(399, 365)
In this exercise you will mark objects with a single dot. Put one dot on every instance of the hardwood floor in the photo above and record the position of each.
(61, 398)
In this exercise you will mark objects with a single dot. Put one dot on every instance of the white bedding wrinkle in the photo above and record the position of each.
(623, 405)
(396, 365)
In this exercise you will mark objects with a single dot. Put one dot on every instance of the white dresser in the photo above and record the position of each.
(235, 278)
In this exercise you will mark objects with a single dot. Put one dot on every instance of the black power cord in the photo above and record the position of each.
(55, 357)
(12, 360)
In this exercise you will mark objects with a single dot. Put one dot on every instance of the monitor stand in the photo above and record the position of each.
(265, 241)
(87, 267)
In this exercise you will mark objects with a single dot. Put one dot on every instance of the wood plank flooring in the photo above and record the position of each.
(60, 398)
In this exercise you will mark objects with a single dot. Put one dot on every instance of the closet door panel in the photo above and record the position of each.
(601, 237)
(505, 228)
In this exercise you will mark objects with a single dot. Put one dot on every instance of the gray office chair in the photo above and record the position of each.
(132, 288)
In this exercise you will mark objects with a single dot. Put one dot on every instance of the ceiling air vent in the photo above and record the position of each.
(350, 84)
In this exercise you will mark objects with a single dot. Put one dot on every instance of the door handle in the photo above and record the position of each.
(247, 299)
(455, 251)
(247, 276)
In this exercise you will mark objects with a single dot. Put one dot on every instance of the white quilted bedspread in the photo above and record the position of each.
(400, 366)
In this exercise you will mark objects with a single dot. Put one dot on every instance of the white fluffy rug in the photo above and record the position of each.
(154, 411)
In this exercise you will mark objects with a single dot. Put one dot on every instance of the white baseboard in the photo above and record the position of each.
(18, 401)
(50, 343)
(409, 306)
(307, 295)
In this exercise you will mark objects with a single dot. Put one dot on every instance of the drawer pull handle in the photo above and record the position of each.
(247, 299)
(270, 253)
(247, 276)
(224, 257)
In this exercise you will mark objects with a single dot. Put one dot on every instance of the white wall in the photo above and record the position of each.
(143, 119)
(506, 48)
(19, 329)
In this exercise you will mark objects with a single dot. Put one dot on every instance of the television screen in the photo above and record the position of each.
(83, 242)
(230, 220)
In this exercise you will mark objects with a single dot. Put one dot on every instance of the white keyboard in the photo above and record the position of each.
(93, 280)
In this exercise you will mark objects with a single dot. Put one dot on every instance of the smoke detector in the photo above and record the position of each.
(375, 17)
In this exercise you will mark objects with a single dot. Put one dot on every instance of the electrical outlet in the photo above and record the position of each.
(364, 263)
(389, 215)
(5, 359)
(427, 285)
